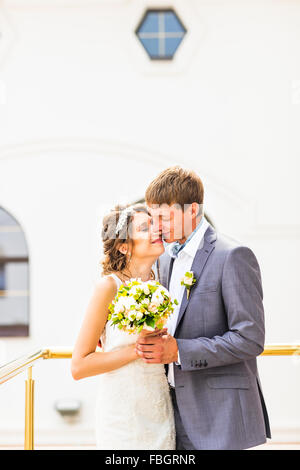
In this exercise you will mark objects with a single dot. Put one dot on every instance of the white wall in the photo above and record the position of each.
(86, 120)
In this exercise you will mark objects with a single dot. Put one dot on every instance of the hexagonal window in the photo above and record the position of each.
(160, 32)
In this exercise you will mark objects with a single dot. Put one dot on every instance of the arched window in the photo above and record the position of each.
(14, 278)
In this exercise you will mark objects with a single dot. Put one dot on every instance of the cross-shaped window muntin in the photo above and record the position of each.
(161, 34)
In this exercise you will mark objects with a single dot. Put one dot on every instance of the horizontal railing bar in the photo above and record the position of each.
(58, 353)
(281, 350)
(270, 350)
(15, 367)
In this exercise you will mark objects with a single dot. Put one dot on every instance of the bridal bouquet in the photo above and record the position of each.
(141, 306)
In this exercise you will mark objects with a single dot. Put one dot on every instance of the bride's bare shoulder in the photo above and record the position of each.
(106, 285)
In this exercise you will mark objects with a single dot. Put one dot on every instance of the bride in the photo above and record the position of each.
(133, 407)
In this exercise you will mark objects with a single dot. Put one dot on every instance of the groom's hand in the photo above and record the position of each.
(161, 349)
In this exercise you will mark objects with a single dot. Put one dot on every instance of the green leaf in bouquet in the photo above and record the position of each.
(152, 289)
(150, 322)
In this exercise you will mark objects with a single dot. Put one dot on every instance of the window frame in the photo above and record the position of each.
(160, 10)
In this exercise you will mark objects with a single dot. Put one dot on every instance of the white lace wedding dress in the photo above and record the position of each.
(133, 408)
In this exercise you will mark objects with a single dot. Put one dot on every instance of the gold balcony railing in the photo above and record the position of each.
(15, 367)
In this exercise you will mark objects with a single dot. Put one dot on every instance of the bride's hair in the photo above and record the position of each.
(115, 231)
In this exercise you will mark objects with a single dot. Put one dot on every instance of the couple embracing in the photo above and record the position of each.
(193, 384)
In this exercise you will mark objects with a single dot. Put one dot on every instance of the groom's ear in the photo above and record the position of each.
(195, 209)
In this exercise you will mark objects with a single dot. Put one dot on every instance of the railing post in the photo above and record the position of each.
(29, 411)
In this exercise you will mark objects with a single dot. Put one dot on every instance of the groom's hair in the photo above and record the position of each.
(175, 185)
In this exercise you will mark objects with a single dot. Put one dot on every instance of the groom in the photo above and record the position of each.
(217, 330)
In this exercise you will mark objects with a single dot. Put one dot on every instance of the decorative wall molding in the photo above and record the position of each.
(80, 437)
(14, 436)
(242, 208)
(118, 148)
(111, 147)
(226, 195)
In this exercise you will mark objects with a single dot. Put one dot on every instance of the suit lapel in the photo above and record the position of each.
(197, 267)
(168, 274)
(162, 269)
(169, 271)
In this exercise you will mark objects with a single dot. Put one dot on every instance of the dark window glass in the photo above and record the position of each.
(14, 278)
(160, 32)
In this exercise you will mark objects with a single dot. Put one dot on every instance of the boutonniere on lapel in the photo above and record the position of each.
(188, 281)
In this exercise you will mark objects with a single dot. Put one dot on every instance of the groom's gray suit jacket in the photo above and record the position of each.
(220, 331)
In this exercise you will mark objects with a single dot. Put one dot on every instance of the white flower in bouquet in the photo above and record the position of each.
(157, 299)
(119, 308)
(139, 315)
(141, 306)
(146, 290)
(126, 303)
(153, 307)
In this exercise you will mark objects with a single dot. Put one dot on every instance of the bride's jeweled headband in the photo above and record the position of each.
(122, 219)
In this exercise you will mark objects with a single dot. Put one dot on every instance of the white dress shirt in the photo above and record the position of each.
(181, 265)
